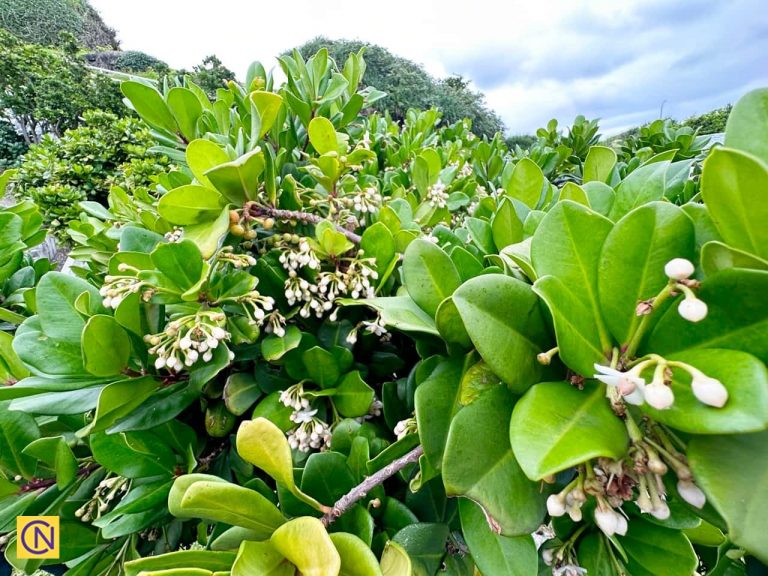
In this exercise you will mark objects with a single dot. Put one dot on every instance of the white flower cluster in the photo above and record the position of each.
(256, 306)
(117, 287)
(188, 339)
(236, 260)
(175, 235)
(466, 170)
(437, 195)
(293, 397)
(107, 490)
(275, 323)
(366, 200)
(310, 432)
(294, 259)
(633, 389)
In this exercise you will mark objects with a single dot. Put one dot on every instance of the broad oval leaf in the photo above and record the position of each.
(149, 104)
(308, 546)
(748, 123)
(190, 204)
(429, 275)
(106, 346)
(599, 164)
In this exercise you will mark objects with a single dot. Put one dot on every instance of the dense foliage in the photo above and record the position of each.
(12, 145)
(337, 344)
(711, 122)
(408, 85)
(46, 90)
(43, 21)
(59, 173)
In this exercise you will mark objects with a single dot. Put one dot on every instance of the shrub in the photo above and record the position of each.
(340, 345)
(106, 151)
(12, 145)
(712, 122)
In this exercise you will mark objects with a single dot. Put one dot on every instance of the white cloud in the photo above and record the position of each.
(533, 59)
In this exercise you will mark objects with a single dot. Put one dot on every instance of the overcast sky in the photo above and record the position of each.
(619, 60)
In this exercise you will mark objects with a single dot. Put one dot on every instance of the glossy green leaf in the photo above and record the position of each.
(307, 545)
(716, 256)
(356, 557)
(133, 454)
(400, 313)
(633, 259)
(451, 326)
(106, 346)
(555, 426)
(747, 124)
(506, 225)
(643, 185)
(190, 204)
(150, 105)
(239, 180)
(594, 554)
(322, 135)
(264, 445)
(119, 399)
(322, 366)
(653, 550)
(479, 464)
(733, 472)
(429, 275)
(504, 322)
(186, 109)
(180, 262)
(261, 558)
(203, 559)
(274, 347)
(437, 401)
(599, 164)
(241, 391)
(492, 552)
(353, 396)
(268, 104)
(733, 186)
(17, 430)
(526, 182)
(575, 193)
(425, 545)
(395, 560)
(208, 236)
(55, 298)
(202, 155)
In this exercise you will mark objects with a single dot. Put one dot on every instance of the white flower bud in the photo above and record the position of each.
(661, 511)
(548, 556)
(606, 519)
(160, 363)
(621, 525)
(693, 309)
(709, 391)
(692, 494)
(555, 505)
(679, 269)
(659, 396)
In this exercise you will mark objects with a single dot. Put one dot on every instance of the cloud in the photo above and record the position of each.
(534, 60)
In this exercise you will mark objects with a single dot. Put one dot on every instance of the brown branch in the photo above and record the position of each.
(256, 211)
(37, 483)
(359, 492)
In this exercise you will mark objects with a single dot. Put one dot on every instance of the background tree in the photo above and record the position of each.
(211, 74)
(408, 85)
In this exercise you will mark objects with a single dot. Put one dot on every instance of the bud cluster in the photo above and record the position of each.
(106, 492)
(366, 200)
(117, 287)
(406, 427)
(188, 339)
(437, 195)
(310, 433)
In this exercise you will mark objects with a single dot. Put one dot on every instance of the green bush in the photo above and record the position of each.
(84, 163)
(12, 145)
(710, 123)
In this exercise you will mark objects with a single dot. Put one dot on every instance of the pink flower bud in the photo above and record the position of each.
(679, 269)
(693, 309)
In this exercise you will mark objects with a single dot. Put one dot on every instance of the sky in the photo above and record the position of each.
(626, 62)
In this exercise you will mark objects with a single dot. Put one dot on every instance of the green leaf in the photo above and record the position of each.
(17, 430)
(451, 326)
(190, 204)
(503, 319)
(594, 555)
(203, 559)
(209, 497)
(425, 546)
(633, 259)
(133, 454)
(322, 135)
(555, 426)
(395, 560)
(106, 346)
(716, 256)
(652, 550)
(307, 545)
(268, 104)
(733, 472)
(377, 242)
(429, 275)
(241, 391)
(437, 401)
(274, 347)
(180, 262)
(743, 375)
(55, 298)
(261, 558)
(567, 246)
(119, 399)
(748, 123)
(353, 396)
(149, 104)
(733, 186)
(398, 312)
(186, 109)
(55, 453)
(600, 197)
(202, 155)
(45, 356)
(506, 225)
(493, 553)
(238, 181)
(208, 236)
(327, 477)
(737, 317)
(575, 193)
(480, 465)
(322, 366)
(356, 557)
(526, 182)
(599, 164)
(643, 185)
(263, 444)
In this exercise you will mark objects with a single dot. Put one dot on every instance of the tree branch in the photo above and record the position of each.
(256, 211)
(361, 490)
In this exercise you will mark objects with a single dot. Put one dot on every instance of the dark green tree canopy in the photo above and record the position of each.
(408, 85)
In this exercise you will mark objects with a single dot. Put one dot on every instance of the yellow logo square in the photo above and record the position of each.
(37, 537)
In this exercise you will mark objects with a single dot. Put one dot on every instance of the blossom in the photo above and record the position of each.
(437, 195)
(693, 309)
(679, 269)
(709, 391)
(556, 505)
(607, 519)
(658, 395)
(629, 384)
(691, 493)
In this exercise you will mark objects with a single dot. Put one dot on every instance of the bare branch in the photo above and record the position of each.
(256, 211)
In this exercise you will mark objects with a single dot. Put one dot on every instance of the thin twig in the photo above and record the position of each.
(256, 211)
(359, 492)
(38, 483)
